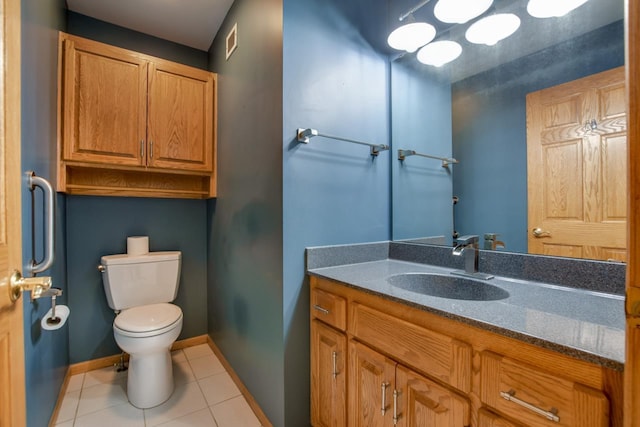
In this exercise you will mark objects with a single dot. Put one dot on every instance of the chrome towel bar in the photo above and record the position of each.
(446, 161)
(305, 135)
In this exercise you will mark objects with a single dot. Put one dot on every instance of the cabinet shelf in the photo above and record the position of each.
(130, 183)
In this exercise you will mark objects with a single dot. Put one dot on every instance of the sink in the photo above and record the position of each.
(446, 286)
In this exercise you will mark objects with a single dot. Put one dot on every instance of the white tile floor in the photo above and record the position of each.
(204, 395)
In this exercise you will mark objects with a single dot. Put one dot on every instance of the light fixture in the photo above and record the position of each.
(552, 8)
(439, 53)
(410, 37)
(460, 11)
(492, 29)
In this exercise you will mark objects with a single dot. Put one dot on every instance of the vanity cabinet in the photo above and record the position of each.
(132, 124)
(383, 392)
(443, 372)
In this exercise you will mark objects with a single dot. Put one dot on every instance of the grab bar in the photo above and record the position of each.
(305, 135)
(49, 238)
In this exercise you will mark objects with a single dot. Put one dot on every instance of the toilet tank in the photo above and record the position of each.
(131, 281)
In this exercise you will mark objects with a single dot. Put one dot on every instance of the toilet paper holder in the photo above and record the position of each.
(53, 293)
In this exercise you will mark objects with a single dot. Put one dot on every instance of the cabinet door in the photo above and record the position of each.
(328, 376)
(421, 402)
(181, 103)
(103, 106)
(371, 380)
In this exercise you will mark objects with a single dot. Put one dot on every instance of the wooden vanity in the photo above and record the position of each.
(378, 362)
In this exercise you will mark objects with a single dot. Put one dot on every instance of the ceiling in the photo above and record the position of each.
(192, 23)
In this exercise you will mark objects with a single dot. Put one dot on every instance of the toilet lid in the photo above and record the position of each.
(147, 318)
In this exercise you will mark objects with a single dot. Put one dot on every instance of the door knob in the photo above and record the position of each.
(19, 284)
(539, 232)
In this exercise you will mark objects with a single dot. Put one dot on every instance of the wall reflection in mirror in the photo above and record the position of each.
(475, 109)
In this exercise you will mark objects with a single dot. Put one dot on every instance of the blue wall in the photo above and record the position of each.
(333, 192)
(489, 130)
(422, 188)
(245, 221)
(99, 226)
(104, 32)
(46, 352)
(275, 197)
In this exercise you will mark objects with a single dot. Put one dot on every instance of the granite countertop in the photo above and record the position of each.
(584, 324)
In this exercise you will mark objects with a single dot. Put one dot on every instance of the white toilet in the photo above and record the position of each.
(141, 288)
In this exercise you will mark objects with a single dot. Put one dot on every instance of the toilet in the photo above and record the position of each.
(140, 289)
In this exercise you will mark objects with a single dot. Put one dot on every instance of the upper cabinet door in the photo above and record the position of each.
(104, 103)
(181, 104)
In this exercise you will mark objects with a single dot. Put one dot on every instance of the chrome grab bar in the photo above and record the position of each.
(49, 239)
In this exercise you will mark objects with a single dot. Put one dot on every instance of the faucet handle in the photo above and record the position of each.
(468, 240)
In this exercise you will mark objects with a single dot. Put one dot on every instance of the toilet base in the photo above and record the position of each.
(150, 379)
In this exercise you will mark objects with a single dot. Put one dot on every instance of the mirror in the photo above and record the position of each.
(474, 109)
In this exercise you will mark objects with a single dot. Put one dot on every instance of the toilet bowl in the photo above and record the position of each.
(140, 289)
(147, 333)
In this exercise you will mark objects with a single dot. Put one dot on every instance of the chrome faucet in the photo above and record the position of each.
(467, 246)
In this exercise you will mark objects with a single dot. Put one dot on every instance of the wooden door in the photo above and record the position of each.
(422, 402)
(328, 376)
(632, 364)
(371, 381)
(576, 162)
(180, 126)
(12, 377)
(104, 103)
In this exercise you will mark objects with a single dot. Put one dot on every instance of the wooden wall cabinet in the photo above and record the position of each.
(407, 367)
(131, 124)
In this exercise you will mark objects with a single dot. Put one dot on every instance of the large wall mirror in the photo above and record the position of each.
(536, 121)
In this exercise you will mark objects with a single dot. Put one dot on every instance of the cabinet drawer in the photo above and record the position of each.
(536, 397)
(330, 308)
(489, 419)
(437, 355)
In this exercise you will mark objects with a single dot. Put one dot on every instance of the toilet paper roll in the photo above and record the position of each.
(62, 313)
(137, 245)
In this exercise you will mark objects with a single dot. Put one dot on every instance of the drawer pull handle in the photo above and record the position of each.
(396, 416)
(551, 415)
(384, 398)
(334, 356)
(320, 309)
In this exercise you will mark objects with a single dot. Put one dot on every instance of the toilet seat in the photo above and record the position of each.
(148, 320)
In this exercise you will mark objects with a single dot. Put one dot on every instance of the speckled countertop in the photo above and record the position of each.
(585, 324)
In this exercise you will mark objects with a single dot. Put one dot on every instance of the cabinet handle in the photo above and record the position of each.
(384, 398)
(551, 415)
(321, 310)
(334, 356)
(396, 416)
(142, 148)
(151, 149)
